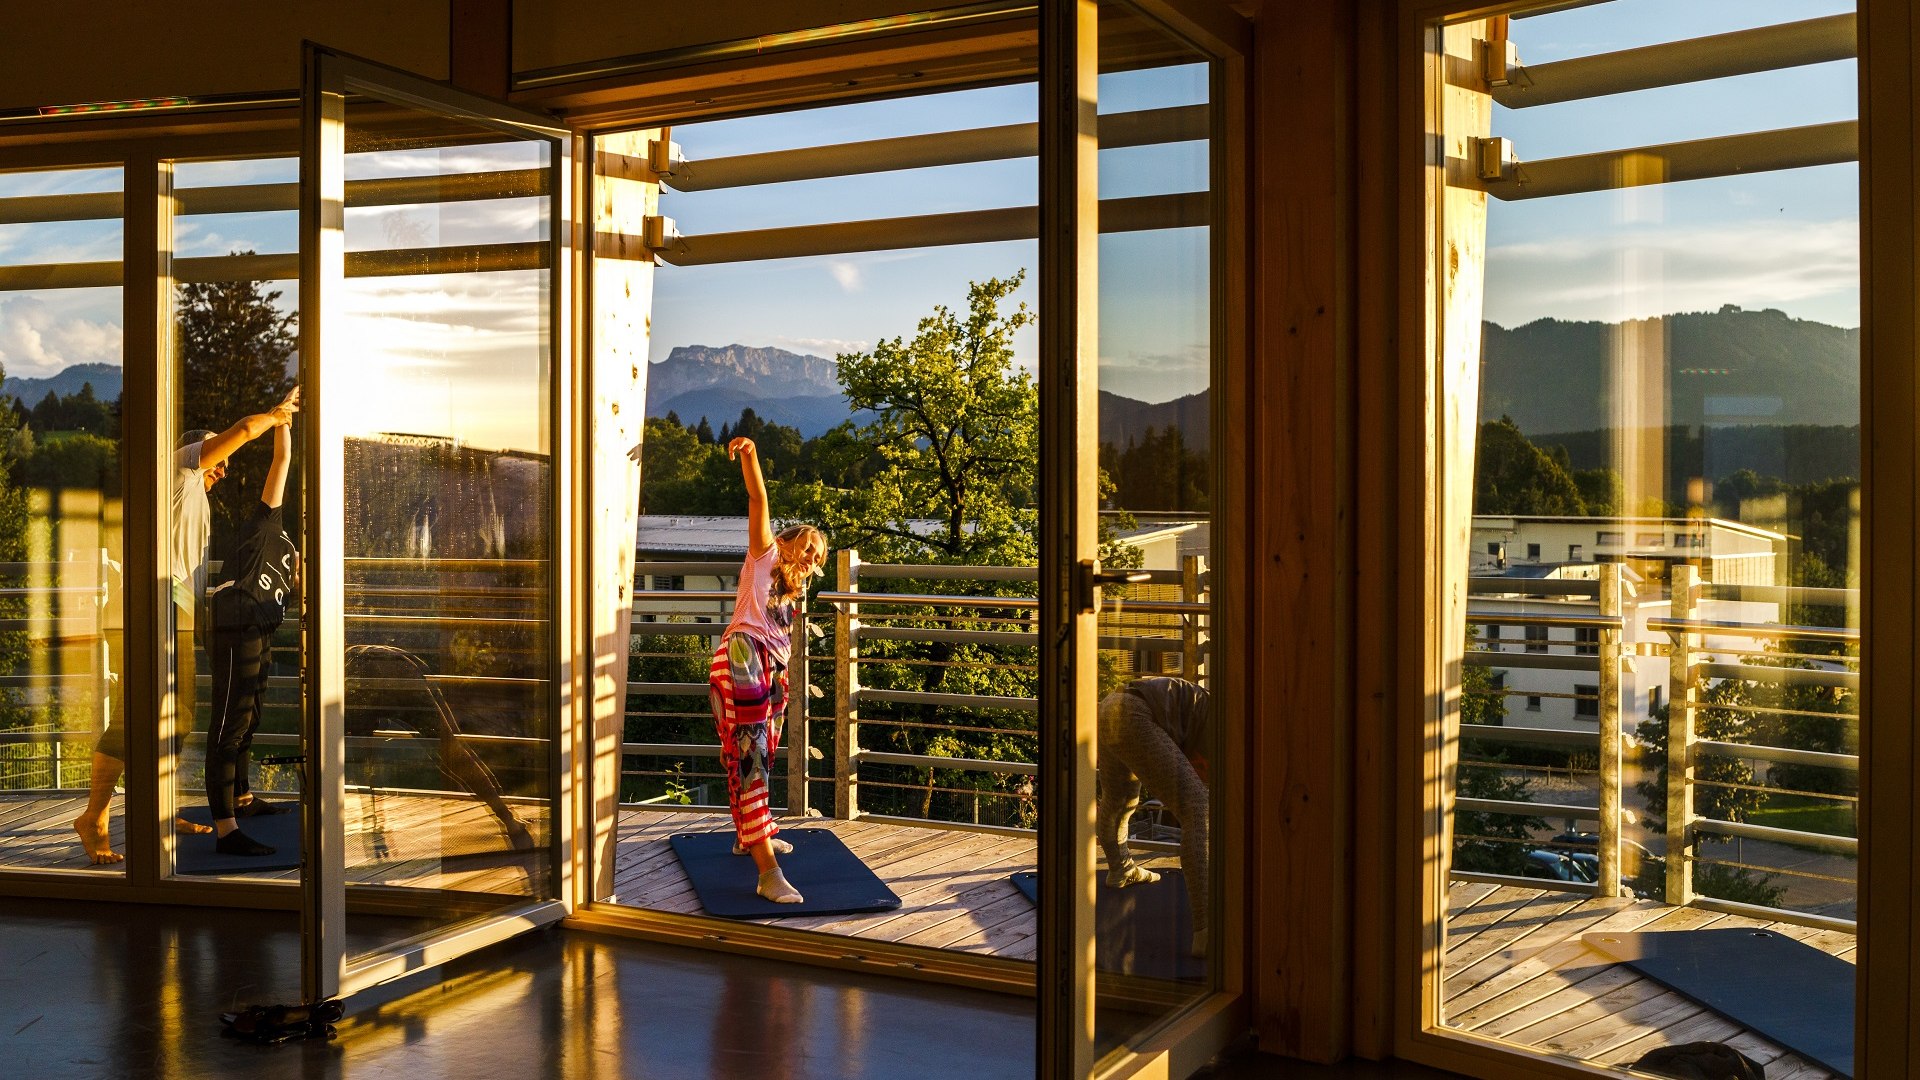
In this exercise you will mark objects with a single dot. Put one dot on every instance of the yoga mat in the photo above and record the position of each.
(832, 878)
(195, 854)
(1140, 930)
(1785, 991)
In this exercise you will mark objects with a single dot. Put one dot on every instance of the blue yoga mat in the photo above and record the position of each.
(1785, 991)
(1142, 930)
(195, 854)
(832, 878)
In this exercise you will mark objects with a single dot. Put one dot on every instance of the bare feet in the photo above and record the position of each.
(93, 837)
(190, 828)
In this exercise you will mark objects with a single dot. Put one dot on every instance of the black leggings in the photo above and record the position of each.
(239, 683)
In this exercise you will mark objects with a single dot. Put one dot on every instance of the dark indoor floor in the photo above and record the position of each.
(133, 991)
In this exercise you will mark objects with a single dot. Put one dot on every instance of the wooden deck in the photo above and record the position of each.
(392, 839)
(953, 885)
(1515, 968)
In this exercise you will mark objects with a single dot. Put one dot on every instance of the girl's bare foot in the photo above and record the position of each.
(190, 828)
(93, 837)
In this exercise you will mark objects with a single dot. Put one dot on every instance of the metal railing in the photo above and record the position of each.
(847, 650)
(1718, 667)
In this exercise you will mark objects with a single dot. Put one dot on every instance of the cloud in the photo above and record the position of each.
(820, 346)
(848, 274)
(38, 339)
(1810, 269)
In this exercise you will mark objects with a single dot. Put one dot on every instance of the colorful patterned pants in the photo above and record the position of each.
(747, 689)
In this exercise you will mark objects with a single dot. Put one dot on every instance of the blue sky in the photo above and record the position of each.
(1786, 240)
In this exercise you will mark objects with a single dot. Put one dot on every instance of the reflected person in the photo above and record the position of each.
(1157, 731)
(199, 462)
(248, 606)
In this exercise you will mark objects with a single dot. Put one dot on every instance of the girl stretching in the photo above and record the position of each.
(747, 684)
(247, 609)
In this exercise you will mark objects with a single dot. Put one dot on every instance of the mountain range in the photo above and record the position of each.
(1722, 368)
(106, 380)
(802, 392)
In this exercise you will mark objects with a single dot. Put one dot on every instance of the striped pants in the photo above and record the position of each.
(747, 689)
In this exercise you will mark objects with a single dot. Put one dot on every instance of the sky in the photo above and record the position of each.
(464, 348)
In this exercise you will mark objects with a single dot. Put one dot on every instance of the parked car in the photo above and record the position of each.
(1561, 866)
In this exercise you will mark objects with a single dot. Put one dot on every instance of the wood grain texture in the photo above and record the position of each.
(1301, 752)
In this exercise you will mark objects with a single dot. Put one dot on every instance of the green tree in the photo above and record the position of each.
(955, 429)
(1513, 476)
(1483, 842)
(1724, 790)
(236, 350)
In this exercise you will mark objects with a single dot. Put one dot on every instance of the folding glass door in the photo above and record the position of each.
(434, 241)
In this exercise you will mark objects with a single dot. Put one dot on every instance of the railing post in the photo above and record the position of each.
(1683, 584)
(1192, 568)
(846, 692)
(1610, 734)
(799, 689)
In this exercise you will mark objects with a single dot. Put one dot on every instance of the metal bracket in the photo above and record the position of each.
(1088, 577)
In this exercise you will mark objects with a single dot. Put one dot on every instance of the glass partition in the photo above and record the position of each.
(438, 566)
(62, 726)
(237, 644)
(1157, 729)
(1651, 358)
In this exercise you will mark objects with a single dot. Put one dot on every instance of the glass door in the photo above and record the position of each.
(434, 228)
(1135, 528)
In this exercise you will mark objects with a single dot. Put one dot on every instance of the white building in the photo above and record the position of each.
(1514, 575)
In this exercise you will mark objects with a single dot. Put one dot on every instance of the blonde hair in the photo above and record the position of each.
(788, 582)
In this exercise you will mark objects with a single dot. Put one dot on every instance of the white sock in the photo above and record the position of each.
(775, 887)
(780, 847)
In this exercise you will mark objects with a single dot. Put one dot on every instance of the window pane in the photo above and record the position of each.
(62, 722)
(1665, 374)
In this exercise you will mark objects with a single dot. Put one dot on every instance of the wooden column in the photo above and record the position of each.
(620, 290)
(1889, 1001)
(1299, 412)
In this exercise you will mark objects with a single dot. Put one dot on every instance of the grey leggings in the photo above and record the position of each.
(1134, 749)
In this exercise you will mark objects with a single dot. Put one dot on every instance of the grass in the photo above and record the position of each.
(1803, 814)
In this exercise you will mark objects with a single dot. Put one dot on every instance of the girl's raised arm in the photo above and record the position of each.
(759, 527)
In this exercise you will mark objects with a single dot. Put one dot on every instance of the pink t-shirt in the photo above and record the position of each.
(765, 621)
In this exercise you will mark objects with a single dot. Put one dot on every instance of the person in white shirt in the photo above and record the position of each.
(199, 462)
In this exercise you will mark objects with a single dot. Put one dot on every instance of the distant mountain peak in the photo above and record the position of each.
(758, 370)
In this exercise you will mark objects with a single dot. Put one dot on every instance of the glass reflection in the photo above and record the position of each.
(233, 520)
(62, 724)
(1658, 731)
(442, 374)
(1156, 730)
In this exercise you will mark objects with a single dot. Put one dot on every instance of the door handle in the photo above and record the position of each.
(1089, 576)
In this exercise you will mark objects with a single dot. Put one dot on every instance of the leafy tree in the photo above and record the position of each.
(956, 430)
(15, 713)
(1157, 472)
(1513, 476)
(1722, 790)
(1482, 842)
(236, 352)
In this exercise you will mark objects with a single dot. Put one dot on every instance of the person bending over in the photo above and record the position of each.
(1157, 731)
(199, 462)
(247, 608)
(747, 683)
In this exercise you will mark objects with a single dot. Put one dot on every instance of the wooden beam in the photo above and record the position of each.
(620, 287)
